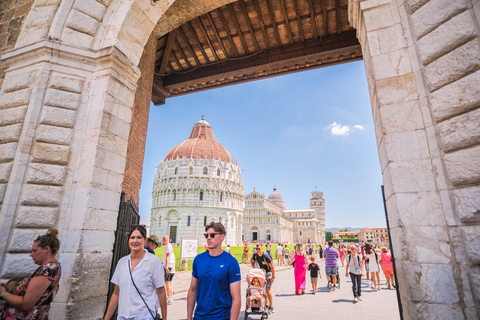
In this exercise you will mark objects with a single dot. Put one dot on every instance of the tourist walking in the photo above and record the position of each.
(152, 243)
(373, 266)
(31, 297)
(342, 254)
(320, 251)
(314, 273)
(268, 246)
(169, 263)
(265, 262)
(279, 254)
(246, 253)
(286, 254)
(299, 259)
(139, 282)
(215, 285)
(355, 268)
(387, 267)
(331, 265)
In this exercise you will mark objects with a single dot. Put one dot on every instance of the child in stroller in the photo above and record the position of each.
(256, 293)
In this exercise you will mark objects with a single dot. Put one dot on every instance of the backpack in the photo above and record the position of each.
(350, 259)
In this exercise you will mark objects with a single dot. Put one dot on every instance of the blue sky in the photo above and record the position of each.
(297, 131)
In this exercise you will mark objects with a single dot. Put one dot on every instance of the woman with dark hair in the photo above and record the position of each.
(139, 282)
(31, 297)
(373, 266)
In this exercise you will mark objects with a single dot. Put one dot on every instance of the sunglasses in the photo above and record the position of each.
(211, 235)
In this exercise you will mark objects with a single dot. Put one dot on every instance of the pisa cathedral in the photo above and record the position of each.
(200, 181)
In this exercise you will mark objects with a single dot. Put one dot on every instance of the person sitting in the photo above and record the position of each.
(32, 296)
(255, 294)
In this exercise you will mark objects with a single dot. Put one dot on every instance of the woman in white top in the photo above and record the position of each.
(373, 266)
(146, 270)
(279, 254)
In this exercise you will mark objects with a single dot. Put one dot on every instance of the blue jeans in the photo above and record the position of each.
(356, 284)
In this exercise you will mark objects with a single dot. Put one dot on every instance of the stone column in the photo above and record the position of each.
(63, 153)
(420, 60)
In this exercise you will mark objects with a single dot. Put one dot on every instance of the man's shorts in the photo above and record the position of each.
(314, 280)
(169, 276)
(268, 283)
(331, 271)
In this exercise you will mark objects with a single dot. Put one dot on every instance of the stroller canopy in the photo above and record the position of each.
(256, 273)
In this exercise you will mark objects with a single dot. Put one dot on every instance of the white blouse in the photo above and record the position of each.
(148, 275)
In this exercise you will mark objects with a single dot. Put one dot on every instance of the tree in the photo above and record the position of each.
(328, 235)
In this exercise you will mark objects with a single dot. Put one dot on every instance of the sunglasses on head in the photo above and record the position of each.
(211, 235)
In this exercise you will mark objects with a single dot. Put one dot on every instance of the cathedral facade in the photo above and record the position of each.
(266, 219)
(199, 181)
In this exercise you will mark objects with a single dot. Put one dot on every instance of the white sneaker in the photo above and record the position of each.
(169, 300)
(261, 309)
(379, 288)
(376, 289)
(355, 300)
(359, 298)
(249, 310)
(371, 285)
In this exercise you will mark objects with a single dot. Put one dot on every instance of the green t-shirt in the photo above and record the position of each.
(286, 251)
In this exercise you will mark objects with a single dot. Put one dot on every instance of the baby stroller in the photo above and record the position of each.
(330, 283)
(255, 304)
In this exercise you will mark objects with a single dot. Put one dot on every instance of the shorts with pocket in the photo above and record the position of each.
(331, 271)
(314, 280)
(169, 276)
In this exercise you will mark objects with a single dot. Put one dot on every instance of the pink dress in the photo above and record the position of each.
(300, 271)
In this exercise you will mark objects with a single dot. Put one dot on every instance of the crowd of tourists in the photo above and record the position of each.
(143, 282)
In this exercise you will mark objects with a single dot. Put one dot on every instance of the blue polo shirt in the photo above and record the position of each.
(214, 275)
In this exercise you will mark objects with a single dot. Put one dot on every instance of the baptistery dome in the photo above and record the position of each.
(201, 145)
(199, 181)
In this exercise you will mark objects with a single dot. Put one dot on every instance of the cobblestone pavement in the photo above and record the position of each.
(323, 305)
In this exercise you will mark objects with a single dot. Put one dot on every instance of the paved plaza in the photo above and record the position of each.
(324, 304)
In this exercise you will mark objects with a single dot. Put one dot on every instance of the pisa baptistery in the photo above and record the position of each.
(199, 181)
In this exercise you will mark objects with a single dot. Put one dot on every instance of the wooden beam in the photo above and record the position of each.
(227, 30)
(313, 19)
(159, 93)
(299, 21)
(338, 19)
(237, 26)
(182, 54)
(167, 51)
(208, 39)
(176, 61)
(341, 47)
(249, 24)
(262, 24)
(192, 30)
(287, 22)
(325, 18)
(274, 23)
(184, 36)
(210, 19)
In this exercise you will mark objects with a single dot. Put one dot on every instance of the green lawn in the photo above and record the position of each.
(237, 252)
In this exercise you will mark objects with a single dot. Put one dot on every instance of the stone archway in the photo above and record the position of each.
(75, 104)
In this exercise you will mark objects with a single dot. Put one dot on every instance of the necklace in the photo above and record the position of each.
(134, 260)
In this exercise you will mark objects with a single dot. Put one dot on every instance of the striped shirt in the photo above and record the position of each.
(331, 256)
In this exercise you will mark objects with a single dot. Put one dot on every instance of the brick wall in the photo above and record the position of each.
(138, 130)
(12, 16)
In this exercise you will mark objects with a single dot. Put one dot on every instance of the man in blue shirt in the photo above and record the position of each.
(215, 285)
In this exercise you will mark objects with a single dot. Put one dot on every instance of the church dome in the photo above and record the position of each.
(201, 145)
(275, 196)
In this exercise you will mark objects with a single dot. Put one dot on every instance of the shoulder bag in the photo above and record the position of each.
(157, 316)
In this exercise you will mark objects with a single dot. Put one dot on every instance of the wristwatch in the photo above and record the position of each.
(2, 294)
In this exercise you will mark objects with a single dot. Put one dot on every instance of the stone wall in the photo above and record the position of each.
(12, 17)
(422, 61)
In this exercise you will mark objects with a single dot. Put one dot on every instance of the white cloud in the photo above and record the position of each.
(339, 130)
(358, 126)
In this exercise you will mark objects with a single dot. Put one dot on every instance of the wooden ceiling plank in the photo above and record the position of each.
(287, 22)
(184, 36)
(262, 24)
(325, 17)
(210, 19)
(313, 18)
(182, 54)
(338, 19)
(227, 30)
(344, 47)
(274, 22)
(167, 52)
(192, 30)
(237, 26)
(249, 24)
(208, 39)
(299, 21)
(174, 56)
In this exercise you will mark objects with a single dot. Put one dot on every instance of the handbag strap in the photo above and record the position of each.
(130, 270)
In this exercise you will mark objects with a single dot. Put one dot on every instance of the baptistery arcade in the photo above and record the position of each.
(199, 181)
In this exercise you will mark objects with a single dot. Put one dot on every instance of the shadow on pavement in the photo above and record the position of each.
(342, 300)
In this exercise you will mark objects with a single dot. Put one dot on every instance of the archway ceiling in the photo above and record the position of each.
(252, 39)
